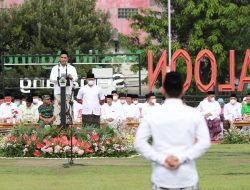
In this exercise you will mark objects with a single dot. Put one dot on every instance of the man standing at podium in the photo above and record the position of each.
(63, 69)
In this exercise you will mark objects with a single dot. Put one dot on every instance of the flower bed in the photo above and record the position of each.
(236, 136)
(56, 143)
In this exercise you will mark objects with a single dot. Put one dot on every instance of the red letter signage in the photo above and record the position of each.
(246, 65)
(185, 55)
(229, 87)
(161, 65)
(210, 55)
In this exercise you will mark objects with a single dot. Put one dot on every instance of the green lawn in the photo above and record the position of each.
(224, 167)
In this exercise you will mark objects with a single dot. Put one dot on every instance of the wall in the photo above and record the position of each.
(123, 25)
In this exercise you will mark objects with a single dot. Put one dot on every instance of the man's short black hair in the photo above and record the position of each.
(109, 96)
(122, 95)
(129, 95)
(173, 84)
(233, 95)
(64, 52)
(135, 96)
(149, 95)
(29, 99)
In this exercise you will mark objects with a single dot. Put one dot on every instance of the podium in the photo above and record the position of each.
(63, 83)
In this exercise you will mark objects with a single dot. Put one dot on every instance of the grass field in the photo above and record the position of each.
(224, 167)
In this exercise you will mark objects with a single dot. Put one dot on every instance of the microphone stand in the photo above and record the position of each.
(69, 115)
(65, 113)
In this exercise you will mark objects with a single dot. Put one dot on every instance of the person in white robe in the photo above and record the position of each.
(138, 105)
(232, 110)
(9, 112)
(150, 104)
(29, 112)
(110, 112)
(130, 110)
(210, 109)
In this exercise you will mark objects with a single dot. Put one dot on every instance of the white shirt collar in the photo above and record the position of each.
(173, 101)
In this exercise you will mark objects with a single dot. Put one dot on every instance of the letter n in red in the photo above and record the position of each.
(161, 65)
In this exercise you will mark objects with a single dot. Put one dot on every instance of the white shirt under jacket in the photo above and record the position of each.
(210, 107)
(232, 111)
(62, 72)
(177, 130)
(90, 96)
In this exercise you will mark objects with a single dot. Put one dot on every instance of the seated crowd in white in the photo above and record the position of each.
(121, 108)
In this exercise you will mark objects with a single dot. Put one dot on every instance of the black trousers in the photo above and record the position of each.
(91, 120)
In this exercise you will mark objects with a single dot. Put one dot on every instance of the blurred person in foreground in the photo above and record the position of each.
(180, 135)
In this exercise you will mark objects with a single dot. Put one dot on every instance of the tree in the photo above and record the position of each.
(216, 25)
(47, 26)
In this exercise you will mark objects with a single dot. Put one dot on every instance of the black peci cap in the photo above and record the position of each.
(211, 92)
(90, 75)
(109, 96)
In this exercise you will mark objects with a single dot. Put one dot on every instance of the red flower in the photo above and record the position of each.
(64, 141)
(108, 141)
(36, 153)
(24, 137)
(39, 145)
(78, 143)
(13, 138)
(28, 142)
(33, 137)
(74, 141)
(55, 140)
(87, 148)
(47, 142)
(94, 137)
(82, 144)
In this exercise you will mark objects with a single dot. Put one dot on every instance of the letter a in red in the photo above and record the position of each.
(246, 65)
